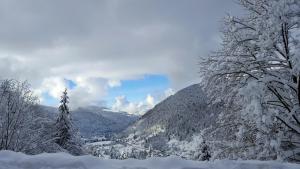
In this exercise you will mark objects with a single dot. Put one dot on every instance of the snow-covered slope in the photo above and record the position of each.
(95, 121)
(180, 115)
(13, 160)
(173, 127)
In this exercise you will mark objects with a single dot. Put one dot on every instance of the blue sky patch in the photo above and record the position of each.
(136, 90)
(70, 84)
(49, 100)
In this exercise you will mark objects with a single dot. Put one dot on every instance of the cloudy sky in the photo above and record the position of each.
(125, 54)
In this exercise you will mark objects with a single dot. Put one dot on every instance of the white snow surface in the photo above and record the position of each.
(13, 160)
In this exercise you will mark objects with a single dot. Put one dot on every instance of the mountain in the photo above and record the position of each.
(95, 121)
(180, 115)
(173, 127)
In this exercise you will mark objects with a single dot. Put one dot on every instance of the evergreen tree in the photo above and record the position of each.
(63, 122)
(66, 135)
(205, 152)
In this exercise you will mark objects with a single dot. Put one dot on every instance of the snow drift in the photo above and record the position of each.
(13, 160)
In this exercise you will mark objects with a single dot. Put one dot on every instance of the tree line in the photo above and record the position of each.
(24, 127)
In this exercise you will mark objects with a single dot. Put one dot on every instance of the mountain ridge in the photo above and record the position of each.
(180, 115)
(93, 121)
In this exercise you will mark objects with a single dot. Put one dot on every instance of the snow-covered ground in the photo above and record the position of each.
(13, 160)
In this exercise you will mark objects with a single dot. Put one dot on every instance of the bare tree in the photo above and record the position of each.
(16, 109)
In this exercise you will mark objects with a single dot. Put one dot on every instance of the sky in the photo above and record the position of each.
(123, 54)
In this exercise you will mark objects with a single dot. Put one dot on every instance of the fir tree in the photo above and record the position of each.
(63, 122)
(205, 152)
(66, 135)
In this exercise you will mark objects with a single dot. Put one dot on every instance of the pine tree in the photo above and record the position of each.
(205, 152)
(63, 122)
(66, 135)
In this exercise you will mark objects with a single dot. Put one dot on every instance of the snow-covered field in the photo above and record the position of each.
(13, 160)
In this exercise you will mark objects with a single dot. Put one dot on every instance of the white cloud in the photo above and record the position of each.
(122, 104)
(150, 101)
(53, 86)
(169, 92)
(114, 83)
(88, 91)
(105, 40)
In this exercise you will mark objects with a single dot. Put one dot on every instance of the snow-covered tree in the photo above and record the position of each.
(64, 125)
(205, 151)
(257, 73)
(17, 105)
(66, 135)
